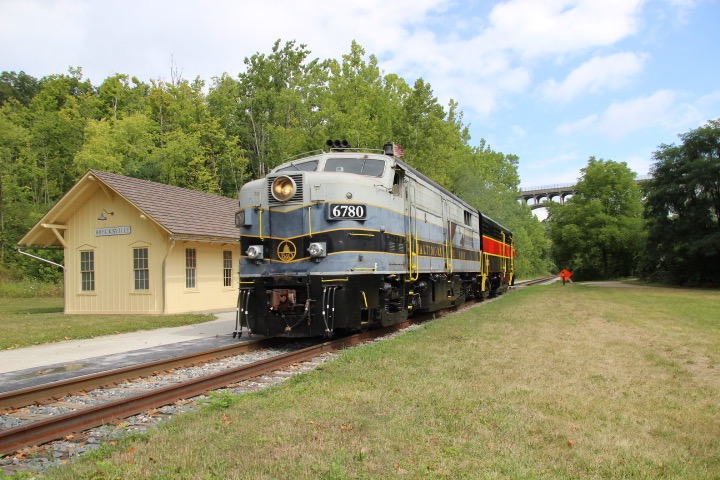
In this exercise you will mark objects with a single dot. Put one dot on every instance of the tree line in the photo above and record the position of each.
(215, 137)
(665, 229)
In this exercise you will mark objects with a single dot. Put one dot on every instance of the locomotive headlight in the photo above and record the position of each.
(255, 252)
(317, 249)
(283, 188)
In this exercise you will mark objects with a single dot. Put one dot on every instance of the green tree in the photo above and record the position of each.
(117, 98)
(277, 111)
(598, 233)
(18, 85)
(224, 158)
(682, 208)
(232, 161)
(99, 150)
(436, 141)
(488, 166)
(189, 147)
(57, 118)
(359, 107)
(124, 146)
(12, 141)
(18, 211)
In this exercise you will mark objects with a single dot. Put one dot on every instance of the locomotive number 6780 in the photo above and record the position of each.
(341, 211)
(347, 239)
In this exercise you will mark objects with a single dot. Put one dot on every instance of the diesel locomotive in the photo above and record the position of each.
(345, 239)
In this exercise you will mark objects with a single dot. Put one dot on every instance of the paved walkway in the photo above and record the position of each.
(75, 350)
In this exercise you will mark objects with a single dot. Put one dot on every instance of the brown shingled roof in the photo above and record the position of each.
(179, 210)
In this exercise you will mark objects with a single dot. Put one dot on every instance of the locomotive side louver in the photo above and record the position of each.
(299, 189)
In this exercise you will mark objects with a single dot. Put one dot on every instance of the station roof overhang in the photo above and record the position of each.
(183, 215)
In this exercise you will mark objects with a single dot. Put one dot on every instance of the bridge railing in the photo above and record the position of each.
(557, 186)
(563, 186)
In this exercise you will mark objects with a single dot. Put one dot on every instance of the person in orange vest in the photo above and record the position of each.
(565, 274)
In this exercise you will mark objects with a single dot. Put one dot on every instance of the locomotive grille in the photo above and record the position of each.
(299, 185)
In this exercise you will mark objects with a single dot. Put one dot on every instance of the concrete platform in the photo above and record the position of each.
(24, 367)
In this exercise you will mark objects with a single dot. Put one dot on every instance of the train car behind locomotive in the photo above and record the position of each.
(347, 239)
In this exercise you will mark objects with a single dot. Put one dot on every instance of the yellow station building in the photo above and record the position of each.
(138, 247)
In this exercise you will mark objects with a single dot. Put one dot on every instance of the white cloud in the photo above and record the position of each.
(481, 67)
(625, 118)
(598, 74)
(554, 27)
(494, 61)
(694, 114)
(664, 109)
(203, 38)
(621, 119)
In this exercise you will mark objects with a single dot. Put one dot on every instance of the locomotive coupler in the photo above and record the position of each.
(307, 313)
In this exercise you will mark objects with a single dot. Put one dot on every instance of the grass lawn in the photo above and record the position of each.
(30, 321)
(547, 382)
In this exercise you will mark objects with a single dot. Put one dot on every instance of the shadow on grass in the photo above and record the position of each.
(39, 310)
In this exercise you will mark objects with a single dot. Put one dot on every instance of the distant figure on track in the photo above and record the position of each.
(565, 274)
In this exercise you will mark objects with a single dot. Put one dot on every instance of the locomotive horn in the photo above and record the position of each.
(338, 144)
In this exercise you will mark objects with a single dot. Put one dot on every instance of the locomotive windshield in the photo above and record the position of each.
(361, 166)
(310, 166)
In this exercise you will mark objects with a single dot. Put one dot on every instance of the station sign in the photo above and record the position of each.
(110, 231)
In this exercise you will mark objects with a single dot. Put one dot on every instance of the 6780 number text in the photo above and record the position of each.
(342, 211)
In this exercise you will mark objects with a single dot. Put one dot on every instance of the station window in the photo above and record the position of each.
(87, 271)
(227, 268)
(190, 267)
(141, 268)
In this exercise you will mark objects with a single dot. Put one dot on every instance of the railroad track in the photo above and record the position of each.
(527, 283)
(56, 427)
(47, 392)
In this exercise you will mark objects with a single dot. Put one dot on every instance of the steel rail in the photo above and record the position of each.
(50, 429)
(527, 283)
(49, 391)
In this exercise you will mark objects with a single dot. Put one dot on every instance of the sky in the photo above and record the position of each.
(551, 81)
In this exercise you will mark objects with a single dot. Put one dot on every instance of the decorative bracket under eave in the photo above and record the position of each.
(107, 191)
(55, 228)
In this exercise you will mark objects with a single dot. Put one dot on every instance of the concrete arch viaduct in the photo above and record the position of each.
(558, 192)
(546, 193)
